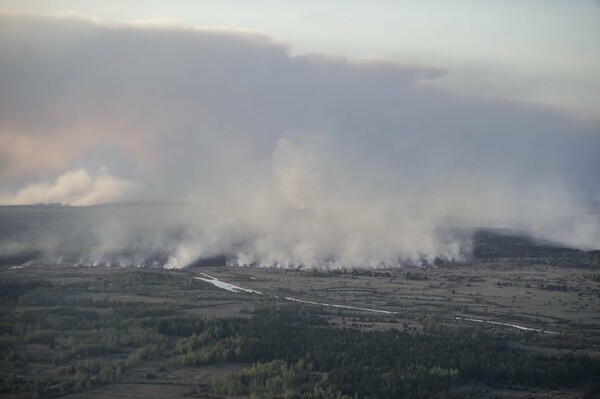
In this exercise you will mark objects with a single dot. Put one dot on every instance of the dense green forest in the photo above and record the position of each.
(290, 350)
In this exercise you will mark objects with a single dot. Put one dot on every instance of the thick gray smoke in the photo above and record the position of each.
(283, 160)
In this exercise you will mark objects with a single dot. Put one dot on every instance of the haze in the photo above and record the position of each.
(292, 154)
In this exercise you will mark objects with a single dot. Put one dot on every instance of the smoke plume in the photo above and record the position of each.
(77, 188)
(309, 160)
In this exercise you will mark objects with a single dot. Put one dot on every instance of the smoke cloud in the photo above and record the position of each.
(283, 160)
(77, 188)
(297, 172)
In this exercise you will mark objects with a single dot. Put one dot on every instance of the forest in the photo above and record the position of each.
(288, 350)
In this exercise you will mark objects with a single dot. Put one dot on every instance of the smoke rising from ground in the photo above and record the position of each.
(282, 160)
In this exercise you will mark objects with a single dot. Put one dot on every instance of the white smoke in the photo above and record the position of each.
(319, 211)
(297, 171)
(306, 215)
(76, 187)
(286, 160)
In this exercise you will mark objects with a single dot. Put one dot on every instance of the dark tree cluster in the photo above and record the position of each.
(292, 351)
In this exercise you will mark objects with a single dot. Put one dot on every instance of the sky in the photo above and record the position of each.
(308, 132)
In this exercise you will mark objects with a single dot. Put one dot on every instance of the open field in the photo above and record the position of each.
(499, 298)
(565, 301)
(538, 296)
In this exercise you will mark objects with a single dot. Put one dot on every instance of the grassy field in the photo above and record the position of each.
(565, 301)
(58, 321)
